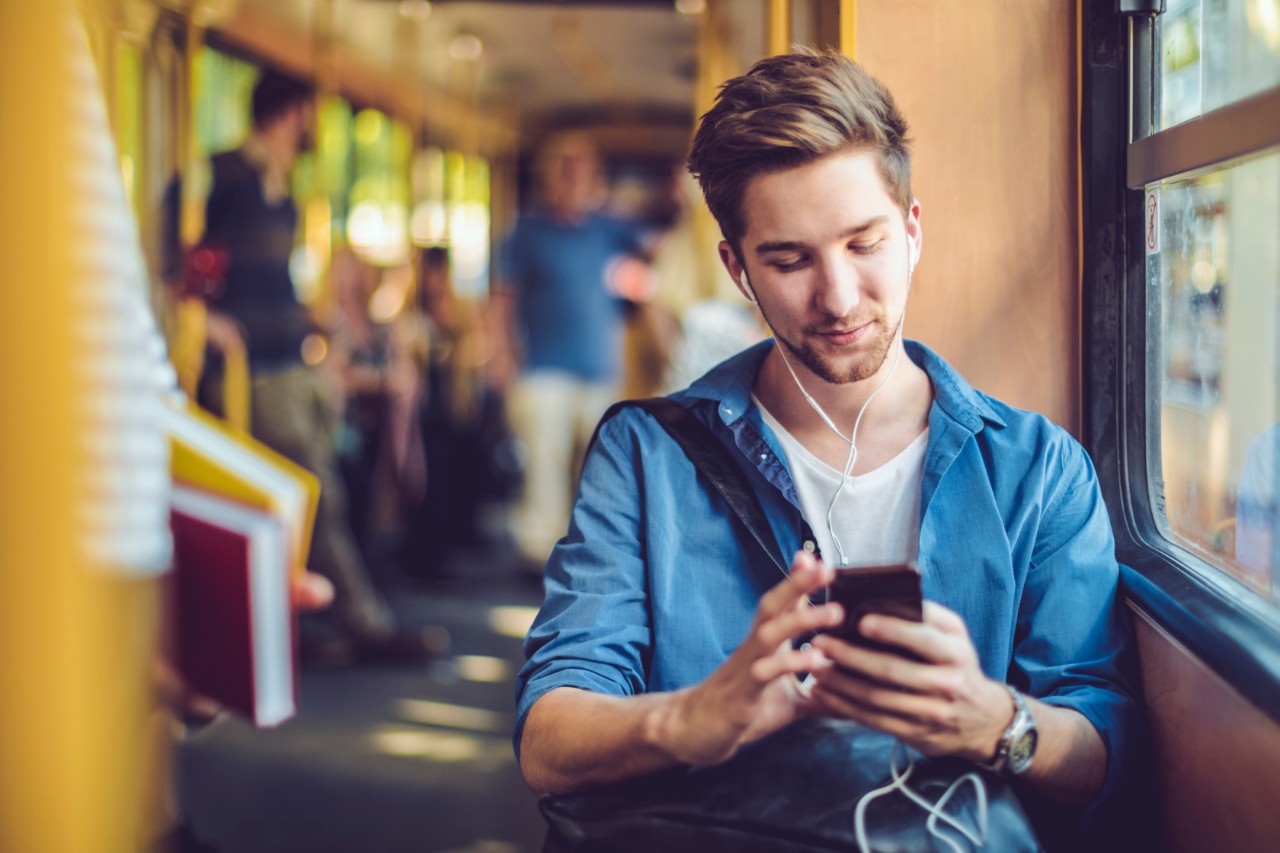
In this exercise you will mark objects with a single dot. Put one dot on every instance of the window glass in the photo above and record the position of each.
(1215, 263)
(1214, 52)
(378, 222)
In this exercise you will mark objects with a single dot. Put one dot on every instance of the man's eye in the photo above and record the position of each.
(866, 248)
(789, 266)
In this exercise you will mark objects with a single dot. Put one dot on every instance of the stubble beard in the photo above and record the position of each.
(826, 369)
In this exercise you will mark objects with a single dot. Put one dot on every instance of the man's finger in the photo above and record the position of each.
(312, 592)
(832, 704)
(884, 667)
(929, 705)
(793, 662)
(792, 623)
(808, 574)
(945, 620)
(922, 639)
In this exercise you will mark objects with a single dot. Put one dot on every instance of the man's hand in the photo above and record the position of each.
(943, 705)
(311, 592)
(223, 333)
(753, 693)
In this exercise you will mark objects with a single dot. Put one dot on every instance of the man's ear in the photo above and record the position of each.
(735, 269)
(915, 233)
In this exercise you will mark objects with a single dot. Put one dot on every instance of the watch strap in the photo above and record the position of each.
(1022, 719)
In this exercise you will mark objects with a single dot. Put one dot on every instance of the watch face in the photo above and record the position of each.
(1021, 750)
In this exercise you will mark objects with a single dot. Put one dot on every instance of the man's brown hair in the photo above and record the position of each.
(789, 110)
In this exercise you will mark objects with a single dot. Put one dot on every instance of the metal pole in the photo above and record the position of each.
(778, 27)
(849, 28)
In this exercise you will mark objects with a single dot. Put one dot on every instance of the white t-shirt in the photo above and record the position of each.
(876, 517)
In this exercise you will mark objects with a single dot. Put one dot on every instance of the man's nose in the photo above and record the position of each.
(839, 288)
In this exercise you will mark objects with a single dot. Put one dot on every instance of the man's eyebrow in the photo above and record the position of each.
(793, 245)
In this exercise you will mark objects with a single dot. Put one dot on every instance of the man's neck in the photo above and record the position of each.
(272, 153)
(897, 415)
(567, 214)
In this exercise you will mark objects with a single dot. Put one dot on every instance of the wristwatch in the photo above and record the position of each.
(1017, 746)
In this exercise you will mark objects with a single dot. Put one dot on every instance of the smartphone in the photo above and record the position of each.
(892, 589)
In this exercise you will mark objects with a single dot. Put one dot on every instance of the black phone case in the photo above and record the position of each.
(893, 590)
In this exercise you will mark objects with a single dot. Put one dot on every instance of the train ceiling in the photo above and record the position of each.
(546, 63)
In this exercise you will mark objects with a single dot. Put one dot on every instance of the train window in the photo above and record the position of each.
(1214, 52)
(1213, 277)
(222, 87)
(1181, 151)
(1215, 266)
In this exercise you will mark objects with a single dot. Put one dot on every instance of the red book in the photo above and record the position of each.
(233, 631)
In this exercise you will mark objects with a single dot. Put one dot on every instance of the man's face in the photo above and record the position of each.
(303, 115)
(826, 251)
(572, 179)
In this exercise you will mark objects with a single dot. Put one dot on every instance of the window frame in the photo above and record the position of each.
(1230, 628)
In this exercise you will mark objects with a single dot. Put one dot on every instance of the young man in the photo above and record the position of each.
(666, 636)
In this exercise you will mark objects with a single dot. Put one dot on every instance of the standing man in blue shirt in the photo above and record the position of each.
(562, 327)
(666, 635)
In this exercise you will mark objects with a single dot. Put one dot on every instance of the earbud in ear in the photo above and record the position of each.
(745, 284)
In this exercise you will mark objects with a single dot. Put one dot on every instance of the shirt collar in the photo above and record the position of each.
(729, 385)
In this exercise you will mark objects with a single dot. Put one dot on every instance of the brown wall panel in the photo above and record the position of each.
(1217, 756)
(990, 91)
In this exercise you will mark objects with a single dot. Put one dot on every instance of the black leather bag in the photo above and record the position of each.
(795, 790)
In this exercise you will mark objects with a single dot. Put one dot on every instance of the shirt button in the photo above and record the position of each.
(764, 456)
(809, 546)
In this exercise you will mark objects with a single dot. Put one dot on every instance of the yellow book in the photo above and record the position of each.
(208, 455)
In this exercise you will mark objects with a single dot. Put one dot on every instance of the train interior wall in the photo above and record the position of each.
(990, 91)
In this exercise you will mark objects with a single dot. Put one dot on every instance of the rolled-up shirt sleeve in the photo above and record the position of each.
(1073, 643)
(594, 631)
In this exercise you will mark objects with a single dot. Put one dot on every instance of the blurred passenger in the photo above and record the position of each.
(1257, 512)
(373, 364)
(251, 215)
(560, 331)
(461, 422)
(712, 322)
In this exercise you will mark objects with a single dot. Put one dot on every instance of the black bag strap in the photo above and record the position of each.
(712, 459)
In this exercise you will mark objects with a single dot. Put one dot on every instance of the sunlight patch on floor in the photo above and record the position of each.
(451, 716)
(485, 669)
(512, 621)
(448, 747)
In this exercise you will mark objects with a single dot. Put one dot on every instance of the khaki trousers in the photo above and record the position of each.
(553, 415)
(293, 414)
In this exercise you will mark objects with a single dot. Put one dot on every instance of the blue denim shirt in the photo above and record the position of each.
(655, 583)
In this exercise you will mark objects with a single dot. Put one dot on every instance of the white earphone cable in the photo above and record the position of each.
(936, 810)
(852, 438)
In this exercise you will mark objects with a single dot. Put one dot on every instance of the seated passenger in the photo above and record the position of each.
(665, 636)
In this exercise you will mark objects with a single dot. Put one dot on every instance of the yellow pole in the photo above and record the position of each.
(191, 333)
(72, 657)
(778, 27)
(849, 28)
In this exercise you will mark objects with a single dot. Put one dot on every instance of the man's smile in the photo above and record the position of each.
(845, 335)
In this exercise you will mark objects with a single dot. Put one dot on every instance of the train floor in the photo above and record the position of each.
(383, 759)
